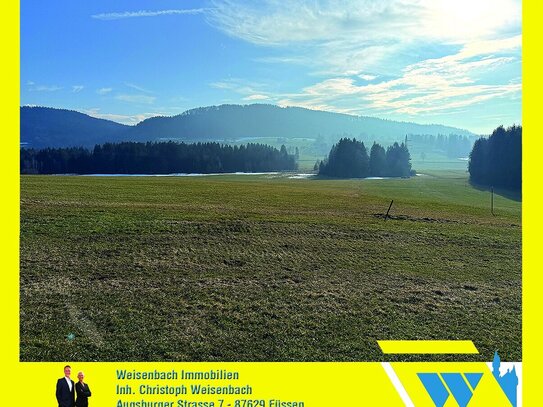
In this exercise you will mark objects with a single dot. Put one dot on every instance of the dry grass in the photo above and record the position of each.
(259, 268)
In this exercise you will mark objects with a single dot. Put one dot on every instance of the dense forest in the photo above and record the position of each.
(497, 160)
(156, 158)
(349, 159)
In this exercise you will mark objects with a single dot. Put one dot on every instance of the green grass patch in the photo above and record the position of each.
(258, 268)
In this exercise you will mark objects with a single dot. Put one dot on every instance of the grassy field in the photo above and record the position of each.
(264, 268)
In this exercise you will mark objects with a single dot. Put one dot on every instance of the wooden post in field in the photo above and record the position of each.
(492, 201)
(390, 206)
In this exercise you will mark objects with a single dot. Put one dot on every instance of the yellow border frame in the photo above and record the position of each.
(20, 377)
(531, 219)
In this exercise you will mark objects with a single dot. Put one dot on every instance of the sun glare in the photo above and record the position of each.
(471, 19)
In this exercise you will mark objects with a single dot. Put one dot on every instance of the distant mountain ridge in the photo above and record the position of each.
(48, 127)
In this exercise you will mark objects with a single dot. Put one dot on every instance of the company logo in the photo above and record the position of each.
(442, 385)
(508, 381)
(451, 384)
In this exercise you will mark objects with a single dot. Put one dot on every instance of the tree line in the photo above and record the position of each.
(497, 160)
(349, 159)
(157, 158)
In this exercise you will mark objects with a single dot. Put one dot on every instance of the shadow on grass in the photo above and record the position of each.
(506, 193)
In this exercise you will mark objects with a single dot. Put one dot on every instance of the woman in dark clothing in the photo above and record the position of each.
(83, 392)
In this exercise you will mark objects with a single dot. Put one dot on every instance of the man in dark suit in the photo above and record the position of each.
(66, 389)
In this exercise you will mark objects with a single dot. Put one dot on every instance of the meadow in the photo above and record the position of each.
(264, 268)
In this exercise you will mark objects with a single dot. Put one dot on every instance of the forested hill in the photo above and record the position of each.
(258, 120)
(46, 127)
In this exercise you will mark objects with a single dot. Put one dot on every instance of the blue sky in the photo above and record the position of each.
(429, 61)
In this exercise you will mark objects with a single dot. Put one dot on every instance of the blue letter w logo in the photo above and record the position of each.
(440, 385)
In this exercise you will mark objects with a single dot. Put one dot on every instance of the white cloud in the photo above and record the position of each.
(271, 22)
(119, 118)
(338, 37)
(221, 85)
(256, 97)
(137, 87)
(290, 59)
(146, 13)
(77, 88)
(433, 85)
(33, 87)
(445, 85)
(104, 91)
(367, 77)
(141, 99)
